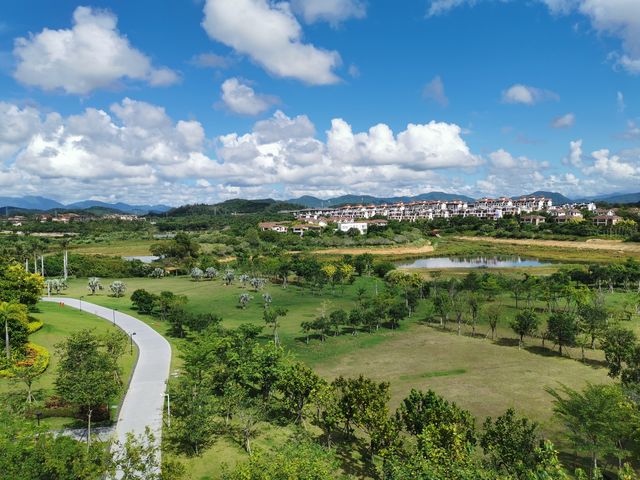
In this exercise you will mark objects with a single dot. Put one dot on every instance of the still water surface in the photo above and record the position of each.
(472, 262)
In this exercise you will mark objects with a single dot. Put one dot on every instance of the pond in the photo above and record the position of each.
(472, 262)
(143, 258)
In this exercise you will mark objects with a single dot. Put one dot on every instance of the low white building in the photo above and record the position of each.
(346, 226)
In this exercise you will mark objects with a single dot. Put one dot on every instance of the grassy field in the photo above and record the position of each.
(589, 251)
(484, 376)
(59, 323)
(120, 248)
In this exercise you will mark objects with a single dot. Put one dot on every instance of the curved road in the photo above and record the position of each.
(144, 400)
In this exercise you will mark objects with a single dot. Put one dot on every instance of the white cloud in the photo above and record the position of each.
(354, 71)
(620, 101)
(439, 7)
(332, 11)
(614, 168)
(632, 132)
(272, 37)
(575, 154)
(242, 99)
(136, 152)
(503, 160)
(91, 55)
(565, 121)
(16, 127)
(527, 95)
(210, 60)
(616, 18)
(434, 90)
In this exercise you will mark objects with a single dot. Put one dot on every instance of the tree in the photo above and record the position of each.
(93, 284)
(267, 299)
(228, 277)
(18, 285)
(510, 443)
(443, 305)
(168, 301)
(138, 458)
(618, 345)
(14, 316)
(192, 410)
(593, 320)
(28, 371)
(423, 409)
(85, 373)
(115, 344)
(563, 328)
(144, 301)
(362, 402)
(32, 453)
(492, 313)
(337, 318)
(243, 300)
(210, 273)
(117, 288)
(298, 383)
(525, 323)
(270, 317)
(249, 418)
(593, 417)
(157, 273)
(197, 274)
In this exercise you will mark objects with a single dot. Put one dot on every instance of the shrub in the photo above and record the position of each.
(34, 326)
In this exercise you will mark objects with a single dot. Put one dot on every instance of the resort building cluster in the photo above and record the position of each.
(532, 210)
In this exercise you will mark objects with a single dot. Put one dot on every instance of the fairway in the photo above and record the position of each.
(481, 376)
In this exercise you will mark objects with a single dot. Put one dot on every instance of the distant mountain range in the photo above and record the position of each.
(557, 198)
(314, 202)
(45, 204)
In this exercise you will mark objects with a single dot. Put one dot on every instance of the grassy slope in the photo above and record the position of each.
(59, 323)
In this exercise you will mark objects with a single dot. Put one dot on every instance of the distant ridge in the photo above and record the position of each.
(44, 204)
(557, 198)
(30, 203)
(621, 198)
(313, 202)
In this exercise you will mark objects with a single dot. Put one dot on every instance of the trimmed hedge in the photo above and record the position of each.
(34, 326)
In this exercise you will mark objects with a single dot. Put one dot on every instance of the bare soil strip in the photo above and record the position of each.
(377, 250)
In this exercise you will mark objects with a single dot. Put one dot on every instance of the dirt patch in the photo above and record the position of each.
(593, 244)
(377, 250)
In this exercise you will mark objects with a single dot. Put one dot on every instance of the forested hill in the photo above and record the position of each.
(235, 206)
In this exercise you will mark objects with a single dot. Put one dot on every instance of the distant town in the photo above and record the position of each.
(531, 210)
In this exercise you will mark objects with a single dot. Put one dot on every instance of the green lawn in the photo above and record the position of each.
(483, 376)
(59, 323)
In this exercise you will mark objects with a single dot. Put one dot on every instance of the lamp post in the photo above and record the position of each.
(38, 416)
(114, 316)
(131, 342)
(81, 297)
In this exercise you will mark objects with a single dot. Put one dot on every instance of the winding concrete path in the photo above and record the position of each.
(144, 400)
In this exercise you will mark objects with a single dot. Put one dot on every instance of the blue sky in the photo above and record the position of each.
(182, 101)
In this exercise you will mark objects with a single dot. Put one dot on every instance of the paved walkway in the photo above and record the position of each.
(144, 401)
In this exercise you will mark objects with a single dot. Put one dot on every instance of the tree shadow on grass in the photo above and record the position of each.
(506, 342)
(351, 455)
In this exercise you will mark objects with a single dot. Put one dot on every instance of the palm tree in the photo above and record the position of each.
(11, 311)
